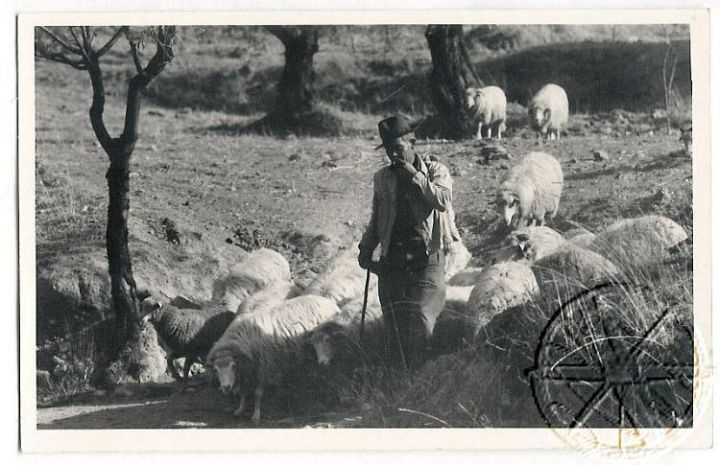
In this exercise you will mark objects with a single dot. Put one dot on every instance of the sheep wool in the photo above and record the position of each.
(342, 280)
(570, 270)
(637, 241)
(257, 271)
(531, 190)
(549, 111)
(268, 298)
(529, 243)
(500, 286)
(489, 107)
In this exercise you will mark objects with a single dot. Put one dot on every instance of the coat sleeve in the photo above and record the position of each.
(436, 187)
(370, 236)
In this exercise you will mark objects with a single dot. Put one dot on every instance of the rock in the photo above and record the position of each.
(458, 172)
(600, 155)
(294, 156)
(504, 166)
(42, 379)
(573, 160)
(494, 152)
(659, 114)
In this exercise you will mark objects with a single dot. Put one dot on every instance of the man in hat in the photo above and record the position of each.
(410, 196)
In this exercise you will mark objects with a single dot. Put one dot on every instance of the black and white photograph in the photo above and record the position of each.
(469, 223)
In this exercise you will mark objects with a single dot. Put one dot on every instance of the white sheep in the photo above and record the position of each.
(258, 348)
(268, 298)
(257, 271)
(529, 243)
(489, 107)
(571, 270)
(549, 110)
(635, 241)
(342, 280)
(499, 287)
(531, 190)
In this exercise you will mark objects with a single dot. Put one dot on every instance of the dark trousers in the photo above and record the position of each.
(412, 295)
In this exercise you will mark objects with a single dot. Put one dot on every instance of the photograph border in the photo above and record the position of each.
(250, 439)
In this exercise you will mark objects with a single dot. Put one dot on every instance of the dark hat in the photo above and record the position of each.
(392, 128)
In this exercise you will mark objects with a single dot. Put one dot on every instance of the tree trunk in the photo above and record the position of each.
(448, 80)
(295, 91)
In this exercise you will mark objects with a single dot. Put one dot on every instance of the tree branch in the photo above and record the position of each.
(136, 57)
(110, 43)
(57, 39)
(61, 58)
(163, 55)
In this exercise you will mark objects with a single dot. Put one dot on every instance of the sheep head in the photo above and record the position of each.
(223, 365)
(539, 118)
(148, 307)
(515, 203)
(324, 339)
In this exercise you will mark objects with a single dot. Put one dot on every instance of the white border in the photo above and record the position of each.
(366, 439)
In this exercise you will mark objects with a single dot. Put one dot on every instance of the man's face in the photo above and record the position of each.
(400, 149)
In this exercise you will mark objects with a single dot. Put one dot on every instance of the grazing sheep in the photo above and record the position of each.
(571, 270)
(549, 110)
(339, 345)
(529, 243)
(582, 240)
(499, 287)
(268, 298)
(258, 348)
(257, 271)
(531, 190)
(185, 332)
(641, 240)
(489, 107)
(342, 280)
(467, 277)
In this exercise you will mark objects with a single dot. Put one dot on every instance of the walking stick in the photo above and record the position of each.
(364, 308)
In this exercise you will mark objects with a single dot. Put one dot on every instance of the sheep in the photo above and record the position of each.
(499, 287)
(466, 277)
(489, 107)
(686, 138)
(268, 298)
(549, 110)
(571, 270)
(257, 271)
(531, 190)
(636, 241)
(185, 332)
(258, 348)
(530, 243)
(342, 280)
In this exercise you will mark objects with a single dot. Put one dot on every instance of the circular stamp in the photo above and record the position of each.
(618, 371)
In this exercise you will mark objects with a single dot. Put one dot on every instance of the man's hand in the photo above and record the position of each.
(364, 258)
(405, 167)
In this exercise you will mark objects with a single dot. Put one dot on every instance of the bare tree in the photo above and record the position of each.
(74, 46)
(449, 79)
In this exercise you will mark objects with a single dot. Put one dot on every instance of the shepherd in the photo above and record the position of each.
(410, 222)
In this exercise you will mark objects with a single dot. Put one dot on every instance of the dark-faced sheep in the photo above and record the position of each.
(530, 190)
(549, 110)
(261, 268)
(186, 332)
(489, 107)
(258, 348)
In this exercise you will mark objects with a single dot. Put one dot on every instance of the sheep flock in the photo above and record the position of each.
(260, 325)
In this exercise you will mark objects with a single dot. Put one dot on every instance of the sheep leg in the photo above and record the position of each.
(241, 408)
(499, 132)
(186, 370)
(479, 135)
(171, 367)
(258, 399)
